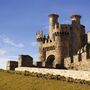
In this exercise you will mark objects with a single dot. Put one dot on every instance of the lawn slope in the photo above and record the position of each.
(9, 81)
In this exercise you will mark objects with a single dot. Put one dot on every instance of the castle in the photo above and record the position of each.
(66, 45)
(63, 40)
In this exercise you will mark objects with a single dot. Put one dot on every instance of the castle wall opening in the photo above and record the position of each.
(49, 61)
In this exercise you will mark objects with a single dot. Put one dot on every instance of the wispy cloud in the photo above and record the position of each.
(9, 41)
(2, 52)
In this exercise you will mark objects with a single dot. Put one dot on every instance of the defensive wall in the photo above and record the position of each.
(78, 62)
(84, 75)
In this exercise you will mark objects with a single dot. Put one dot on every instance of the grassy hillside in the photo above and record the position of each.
(9, 81)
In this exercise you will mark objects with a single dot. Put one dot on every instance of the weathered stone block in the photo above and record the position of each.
(88, 51)
(48, 65)
(11, 65)
(39, 64)
(25, 61)
(58, 66)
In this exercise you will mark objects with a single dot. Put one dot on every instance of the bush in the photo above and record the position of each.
(63, 78)
(69, 79)
(39, 75)
(76, 80)
(49, 76)
(32, 74)
(26, 73)
(52, 76)
(18, 72)
(82, 82)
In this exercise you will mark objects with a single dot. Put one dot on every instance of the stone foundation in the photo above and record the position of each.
(84, 75)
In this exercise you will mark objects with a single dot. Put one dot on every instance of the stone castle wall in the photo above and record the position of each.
(11, 65)
(80, 62)
(63, 40)
(88, 36)
(85, 75)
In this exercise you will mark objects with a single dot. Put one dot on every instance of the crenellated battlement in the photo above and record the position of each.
(66, 46)
(61, 33)
(65, 27)
(63, 40)
(39, 36)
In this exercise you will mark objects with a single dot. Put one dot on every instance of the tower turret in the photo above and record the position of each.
(76, 19)
(53, 19)
(39, 36)
(57, 27)
(61, 46)
(76, 33)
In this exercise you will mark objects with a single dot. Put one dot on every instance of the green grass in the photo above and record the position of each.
(9, 81)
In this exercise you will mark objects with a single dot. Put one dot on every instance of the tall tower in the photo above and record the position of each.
(61, 46)
(53, 19)
(76, 33)
(39, 36)
(76, 19)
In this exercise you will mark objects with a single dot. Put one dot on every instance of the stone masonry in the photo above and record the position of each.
(67, 46)
(25, 61)
(84, 75)
(62, 41)
(11, 65)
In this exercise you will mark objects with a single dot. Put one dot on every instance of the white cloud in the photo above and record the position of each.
(2, 52)
(11, 42)
(33, 44)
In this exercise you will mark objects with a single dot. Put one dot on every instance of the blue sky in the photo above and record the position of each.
(21, 19)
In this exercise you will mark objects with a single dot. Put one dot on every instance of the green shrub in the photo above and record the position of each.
(33, 74)
(63, 78)
(26, 73)
(69, 79)
(76, 80)
(82, 81)
(51, 76)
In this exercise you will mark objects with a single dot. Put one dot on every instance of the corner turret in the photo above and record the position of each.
(76, 18)
(53, 19)
(39, 36)
(61, 46)
(76, 33)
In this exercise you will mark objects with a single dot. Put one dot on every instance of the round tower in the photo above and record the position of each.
(76, 33)
(53, 19)
(39, 36)
(61, 46)
(76, 19)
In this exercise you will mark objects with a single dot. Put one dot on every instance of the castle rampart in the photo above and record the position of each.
(63, 40)
(67, 46)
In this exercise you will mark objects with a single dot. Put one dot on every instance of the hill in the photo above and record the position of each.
(10, 81)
